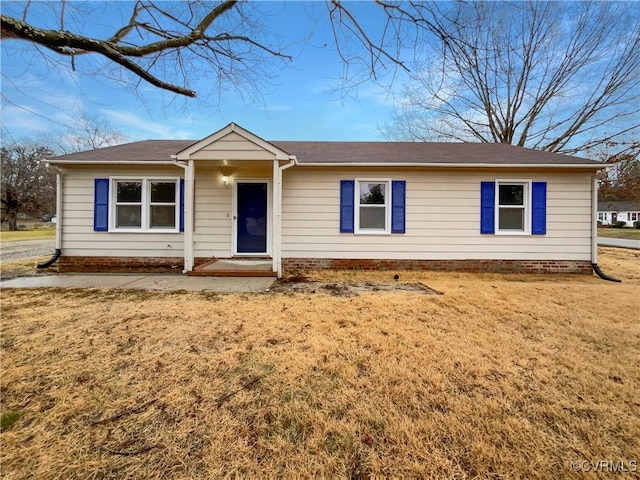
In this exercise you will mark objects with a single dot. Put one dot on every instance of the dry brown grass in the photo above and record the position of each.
(502, 376)
(20, 268)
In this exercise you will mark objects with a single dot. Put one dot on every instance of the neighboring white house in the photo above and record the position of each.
(175, 205)
(612, 212)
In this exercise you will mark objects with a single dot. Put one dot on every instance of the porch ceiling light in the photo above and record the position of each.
(225, 180)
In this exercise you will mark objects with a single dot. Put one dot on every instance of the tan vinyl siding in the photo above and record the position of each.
(78, 237)
(442, 217)
(213, 221)
(212, 215)
(232, 147)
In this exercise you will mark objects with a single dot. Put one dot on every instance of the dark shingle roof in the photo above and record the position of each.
(618, 207)
(418, 153)
(145, 150)
(422, 153)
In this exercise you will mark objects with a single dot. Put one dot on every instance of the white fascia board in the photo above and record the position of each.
(454, 165)
(112, 162)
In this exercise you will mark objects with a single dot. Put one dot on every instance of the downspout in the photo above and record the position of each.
(277, 250)
(188, 223)
(594, 233)
(58, 245)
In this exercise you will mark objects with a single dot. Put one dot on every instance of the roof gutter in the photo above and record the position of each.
(296, 162)
(293, 160)
(111, 162)
(452, 165)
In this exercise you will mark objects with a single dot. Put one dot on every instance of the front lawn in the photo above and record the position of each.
(22, 235)
(20, 268)
(501, 376)
(630, 233)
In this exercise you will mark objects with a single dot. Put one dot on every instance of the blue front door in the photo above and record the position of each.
(251, 230)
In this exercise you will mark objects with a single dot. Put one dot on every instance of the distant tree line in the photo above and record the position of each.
(621, 181)
(28, 186)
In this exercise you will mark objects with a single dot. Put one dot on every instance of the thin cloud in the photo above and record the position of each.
(143, 128)
(25, 118)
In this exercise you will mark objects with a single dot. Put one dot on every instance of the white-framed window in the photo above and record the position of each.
(145, 204)
(373, 200)
(513, 207)
(601, 216)
(633, 216)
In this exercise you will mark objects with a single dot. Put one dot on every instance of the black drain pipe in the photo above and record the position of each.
(58, 251)
(52, 260)
(603, 275)
(594, 232)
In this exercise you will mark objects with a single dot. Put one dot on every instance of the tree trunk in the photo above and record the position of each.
(12, 206)
(12, 219)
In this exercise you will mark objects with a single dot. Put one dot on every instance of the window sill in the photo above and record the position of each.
(512, 233)
(372, 232)
(138, 230)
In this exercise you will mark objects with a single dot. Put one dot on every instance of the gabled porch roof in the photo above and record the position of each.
(204, 145)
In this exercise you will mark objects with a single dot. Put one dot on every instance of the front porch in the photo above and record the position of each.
(232, 204)
(235, 267)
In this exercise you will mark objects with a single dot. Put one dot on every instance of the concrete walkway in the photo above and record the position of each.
(619, 242)
(144, 282)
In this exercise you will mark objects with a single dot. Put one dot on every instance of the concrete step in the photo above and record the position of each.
(261, 267)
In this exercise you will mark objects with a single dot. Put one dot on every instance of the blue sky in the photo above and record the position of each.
(303, 102)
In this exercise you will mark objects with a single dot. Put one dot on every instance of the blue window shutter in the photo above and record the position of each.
(101, 205)
(398, 209)
(347, 199)
(487, 207)
(539, 208)
(182, 204)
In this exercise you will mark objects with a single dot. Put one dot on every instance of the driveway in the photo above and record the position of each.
(26, 249)
(619, 242)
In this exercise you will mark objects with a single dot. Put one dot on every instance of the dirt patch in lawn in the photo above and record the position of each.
(22, 268)
(503, 376)
(623, 263)
(347, 289)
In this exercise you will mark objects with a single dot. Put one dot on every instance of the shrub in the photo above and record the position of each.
(599, 223)
(636, 224)
(619, 224)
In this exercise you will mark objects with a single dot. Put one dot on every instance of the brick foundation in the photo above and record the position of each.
(290, 265)
(121, 264)
(127, 264)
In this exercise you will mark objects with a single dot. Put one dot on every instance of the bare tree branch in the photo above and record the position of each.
(123, 52)
(85, 131)
(552, 76)
(170, 44)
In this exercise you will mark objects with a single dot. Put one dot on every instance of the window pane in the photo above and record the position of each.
(511, 195)
(372, 217)
(129, 192)
(163, 216)
(128, 216)
(372, 193)
(511, 219)
(163, 192)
